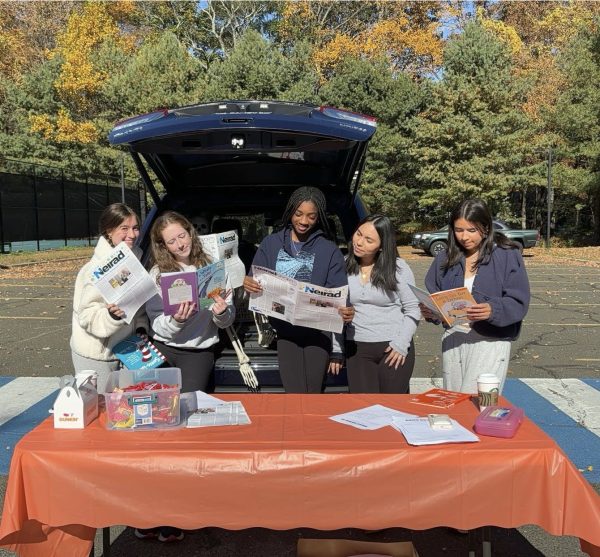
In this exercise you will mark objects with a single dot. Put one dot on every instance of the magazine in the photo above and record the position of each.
(440, 398)
(122, 280)
(178, 288)
(449, 305)
(227, 413)
(137, 353)
(225, 246)
(298, 303)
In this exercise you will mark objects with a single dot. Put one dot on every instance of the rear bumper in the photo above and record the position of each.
(229, 380)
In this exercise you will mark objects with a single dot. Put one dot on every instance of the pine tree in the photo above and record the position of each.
(471, 141)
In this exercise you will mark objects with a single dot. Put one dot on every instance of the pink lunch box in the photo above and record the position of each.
(499, 421)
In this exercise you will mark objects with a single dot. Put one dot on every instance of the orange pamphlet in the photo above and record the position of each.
(440, 398)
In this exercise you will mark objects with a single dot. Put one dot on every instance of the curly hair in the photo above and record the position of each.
(161, 256)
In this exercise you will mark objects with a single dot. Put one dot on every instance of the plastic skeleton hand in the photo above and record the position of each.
(246, 370)
(266, 334)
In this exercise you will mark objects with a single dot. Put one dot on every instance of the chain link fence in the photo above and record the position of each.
(43, 207)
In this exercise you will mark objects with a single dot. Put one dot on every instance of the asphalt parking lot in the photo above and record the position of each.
(559, 341)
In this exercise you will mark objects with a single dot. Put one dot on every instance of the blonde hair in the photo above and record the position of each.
(161, 256)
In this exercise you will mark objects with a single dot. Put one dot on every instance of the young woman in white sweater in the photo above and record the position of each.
(96, 325)
(188, 338)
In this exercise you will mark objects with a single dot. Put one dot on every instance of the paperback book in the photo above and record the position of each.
(198, 286)
(439, 398)
(450, 305)
(137, 353)
(211, 283)
(178, 288)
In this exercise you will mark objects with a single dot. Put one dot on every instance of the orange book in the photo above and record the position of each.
(440, 398)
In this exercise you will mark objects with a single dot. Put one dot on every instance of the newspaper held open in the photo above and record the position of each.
(122, 280)
(298, 303)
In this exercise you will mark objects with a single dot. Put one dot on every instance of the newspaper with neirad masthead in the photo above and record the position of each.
(122, 280)
(298, 303)
(224, 246)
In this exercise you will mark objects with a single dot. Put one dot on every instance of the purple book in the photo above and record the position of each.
(177, 288)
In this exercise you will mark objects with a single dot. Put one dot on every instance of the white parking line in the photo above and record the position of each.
(573, 397)
(22, 393)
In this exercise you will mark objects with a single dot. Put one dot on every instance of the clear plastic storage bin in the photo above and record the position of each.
(146, 408)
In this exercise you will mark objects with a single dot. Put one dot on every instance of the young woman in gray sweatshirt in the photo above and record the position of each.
(379, 350)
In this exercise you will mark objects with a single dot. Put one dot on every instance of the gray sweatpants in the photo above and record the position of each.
(467, 355)
(103, 367)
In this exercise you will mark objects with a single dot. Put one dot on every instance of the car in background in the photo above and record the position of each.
(434, 242)
(233, 165)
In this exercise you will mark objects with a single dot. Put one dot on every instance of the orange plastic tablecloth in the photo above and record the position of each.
(292, 467)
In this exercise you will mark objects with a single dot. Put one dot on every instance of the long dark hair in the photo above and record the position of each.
(475, 211)
(383, 275)
(112, 217)
(161, 256)
(299, 196)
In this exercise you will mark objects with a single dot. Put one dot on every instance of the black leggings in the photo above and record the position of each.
(196, 365)
(368, 372)
(303, 361)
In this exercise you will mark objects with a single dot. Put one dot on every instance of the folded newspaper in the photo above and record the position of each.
(225, 246)
(298, 303)
(227, 413)
(122, 280)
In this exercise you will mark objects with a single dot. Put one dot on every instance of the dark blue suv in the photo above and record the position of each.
(233, 165)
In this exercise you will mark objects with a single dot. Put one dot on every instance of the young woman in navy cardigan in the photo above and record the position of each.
(492, 268)
(303, 250)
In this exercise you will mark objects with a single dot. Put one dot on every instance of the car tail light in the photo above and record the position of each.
(142, 119)
(348, 115)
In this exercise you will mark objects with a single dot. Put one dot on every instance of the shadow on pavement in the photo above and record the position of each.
(260, 542)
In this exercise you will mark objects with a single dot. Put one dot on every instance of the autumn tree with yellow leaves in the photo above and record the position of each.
(80, 79)
(407, 34)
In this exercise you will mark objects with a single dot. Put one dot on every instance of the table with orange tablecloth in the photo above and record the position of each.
(291, 467)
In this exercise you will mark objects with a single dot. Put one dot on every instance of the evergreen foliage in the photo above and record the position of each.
(471, 140)
(515, 80)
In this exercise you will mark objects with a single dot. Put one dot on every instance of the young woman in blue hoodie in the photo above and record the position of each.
(491, 267)
(302, 250)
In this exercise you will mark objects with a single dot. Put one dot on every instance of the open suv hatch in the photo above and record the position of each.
(233, 165)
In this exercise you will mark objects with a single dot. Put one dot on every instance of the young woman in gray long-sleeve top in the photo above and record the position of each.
(379, 350)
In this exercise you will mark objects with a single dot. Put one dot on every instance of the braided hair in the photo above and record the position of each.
(314, 195)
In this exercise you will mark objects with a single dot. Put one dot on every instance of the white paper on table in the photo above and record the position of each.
(417, 431)
(371, 417)
(205, 400)
(190, 402)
